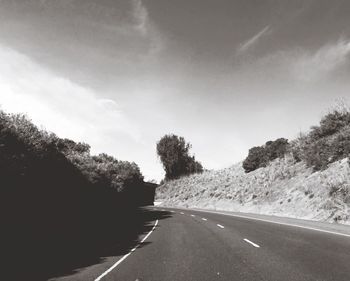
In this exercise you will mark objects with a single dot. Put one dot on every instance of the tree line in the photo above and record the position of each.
(322, 145)
(59, 202)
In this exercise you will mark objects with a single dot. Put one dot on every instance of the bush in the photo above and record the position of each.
(326, 143)
(261, 156)
(333, 122)
(340, 145)
(276, 149)
(255, 159)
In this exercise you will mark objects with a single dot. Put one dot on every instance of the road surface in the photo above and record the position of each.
(200, 246)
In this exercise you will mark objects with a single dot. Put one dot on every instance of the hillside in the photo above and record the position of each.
(283, 188)
(306, 178)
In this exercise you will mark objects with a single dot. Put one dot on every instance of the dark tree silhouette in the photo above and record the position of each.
(173, 152)
(261, 156)
(55, 198)
(254, 159)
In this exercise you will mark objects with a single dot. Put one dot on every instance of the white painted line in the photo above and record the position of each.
(163, 210)
(182, 213)
(172, 211)
(125, 256)
(252, 243)
(204, 219)
(192, 215)
(275, 222)
(288, 224)
(221, 226)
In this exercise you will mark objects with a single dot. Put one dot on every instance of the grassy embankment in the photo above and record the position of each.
(311, 180)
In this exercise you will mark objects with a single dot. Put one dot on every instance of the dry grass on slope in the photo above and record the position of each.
(283, 188)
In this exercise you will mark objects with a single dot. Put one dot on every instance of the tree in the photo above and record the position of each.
(261, 156)
(254, 159)
(173, 152)
(276, 149)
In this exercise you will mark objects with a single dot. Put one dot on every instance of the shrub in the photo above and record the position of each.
(326, 143)
(255, 159)
(276, 149)
(260, 156)
(333, 122)
(340, 145)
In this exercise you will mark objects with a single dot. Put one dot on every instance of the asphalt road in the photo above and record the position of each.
(200, 246)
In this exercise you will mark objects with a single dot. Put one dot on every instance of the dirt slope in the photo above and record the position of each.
(284, 188)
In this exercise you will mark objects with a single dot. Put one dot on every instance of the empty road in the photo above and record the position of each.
(201, 246)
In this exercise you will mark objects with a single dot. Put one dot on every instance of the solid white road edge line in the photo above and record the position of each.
(125, 256)
(275, 222)
(221, 226)
(283, 223)
(252, 243)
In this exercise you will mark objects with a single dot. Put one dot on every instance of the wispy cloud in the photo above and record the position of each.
(59, 104)
(253, 40)
(313, 66)
(146, 27)
(141, 17)
(300, 64)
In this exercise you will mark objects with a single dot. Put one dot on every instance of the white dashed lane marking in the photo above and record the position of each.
(204, 219)
(251, 243)
(221, 226)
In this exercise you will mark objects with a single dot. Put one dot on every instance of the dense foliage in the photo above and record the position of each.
(173, 152)
(326, 143)
(261, 156)
(23, 145)
(57, 199)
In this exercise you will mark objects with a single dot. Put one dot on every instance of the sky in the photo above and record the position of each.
(224, 74)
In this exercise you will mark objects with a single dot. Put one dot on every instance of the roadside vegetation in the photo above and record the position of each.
(261, 156)
(58, 200)
(308, 177)
(322, 145)
(326, 143)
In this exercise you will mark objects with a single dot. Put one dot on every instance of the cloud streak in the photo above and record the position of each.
(253, 40)
(324, 61)
(141, 17)
(299, 65)
(146, 28)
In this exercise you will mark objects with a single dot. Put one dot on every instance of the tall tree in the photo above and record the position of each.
(173, 152)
